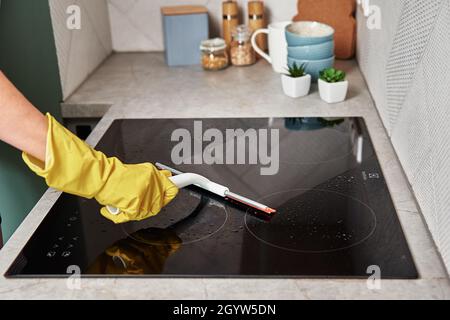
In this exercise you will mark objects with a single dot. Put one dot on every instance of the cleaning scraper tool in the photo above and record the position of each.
(182, 180)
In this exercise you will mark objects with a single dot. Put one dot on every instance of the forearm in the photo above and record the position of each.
(21, 124)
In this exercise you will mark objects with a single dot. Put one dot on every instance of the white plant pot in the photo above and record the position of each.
(333, 92)
(296, 87)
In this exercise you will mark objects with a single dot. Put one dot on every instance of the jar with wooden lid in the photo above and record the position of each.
(256, 21)
(214, 54)
(241, 50)
(230, 19)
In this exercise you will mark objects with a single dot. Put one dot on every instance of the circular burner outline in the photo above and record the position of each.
(183, 242)
(314, 251)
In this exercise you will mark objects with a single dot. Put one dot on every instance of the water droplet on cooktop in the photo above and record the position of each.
(320, 226)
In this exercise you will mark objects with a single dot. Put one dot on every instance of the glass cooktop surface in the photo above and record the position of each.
(335, 217)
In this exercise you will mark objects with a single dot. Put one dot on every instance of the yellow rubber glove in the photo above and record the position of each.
(139, 191)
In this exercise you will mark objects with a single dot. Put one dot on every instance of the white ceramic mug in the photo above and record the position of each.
(277, 45)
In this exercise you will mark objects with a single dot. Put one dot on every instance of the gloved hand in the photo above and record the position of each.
(144, 252)
(138, 191)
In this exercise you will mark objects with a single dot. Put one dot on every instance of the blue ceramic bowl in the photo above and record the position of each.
(313, 67)
(304, 33)
(312, 52)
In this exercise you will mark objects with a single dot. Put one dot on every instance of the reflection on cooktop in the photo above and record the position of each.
(319, 150)
(335, 215)
(201, 218)
(143, 252)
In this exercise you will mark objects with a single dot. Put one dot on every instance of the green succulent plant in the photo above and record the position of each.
(332, 75)
(296, 71)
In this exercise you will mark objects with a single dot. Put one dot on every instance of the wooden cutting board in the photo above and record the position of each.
(340, 14)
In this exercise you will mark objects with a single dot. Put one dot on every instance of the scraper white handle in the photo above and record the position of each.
(186, 179)
(182, 180)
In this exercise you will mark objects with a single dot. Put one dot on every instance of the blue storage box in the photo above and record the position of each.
(185, 27)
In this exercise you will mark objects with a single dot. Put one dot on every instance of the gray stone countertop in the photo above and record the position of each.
(141, 86)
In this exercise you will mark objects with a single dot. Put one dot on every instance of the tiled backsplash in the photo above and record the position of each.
(137, 26)
(80, 51)
(406, 67)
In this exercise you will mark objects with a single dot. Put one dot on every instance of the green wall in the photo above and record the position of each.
(28, 58)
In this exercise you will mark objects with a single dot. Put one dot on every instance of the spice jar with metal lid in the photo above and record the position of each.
(241, 50)
(214, 54)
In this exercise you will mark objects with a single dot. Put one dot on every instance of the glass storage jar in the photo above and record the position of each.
(241, 50)
(214, 54)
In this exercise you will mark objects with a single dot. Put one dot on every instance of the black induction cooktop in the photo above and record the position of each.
(335, 217)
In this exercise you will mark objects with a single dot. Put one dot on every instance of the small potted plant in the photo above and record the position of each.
(296, 83)
(332, 85)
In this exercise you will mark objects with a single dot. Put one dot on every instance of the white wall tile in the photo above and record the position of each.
(80, 51)
(414, 48)
(373, 49)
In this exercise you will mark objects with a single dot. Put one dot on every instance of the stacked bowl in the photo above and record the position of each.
(310, 44)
